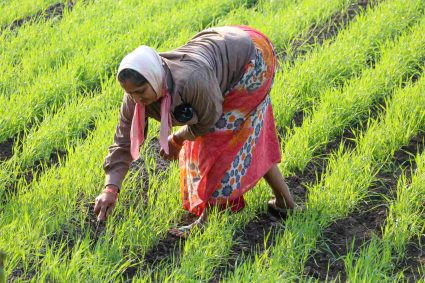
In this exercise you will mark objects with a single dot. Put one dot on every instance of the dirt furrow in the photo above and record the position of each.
(54, 10)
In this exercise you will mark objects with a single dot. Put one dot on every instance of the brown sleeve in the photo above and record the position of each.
(202, 92)
(118, 160)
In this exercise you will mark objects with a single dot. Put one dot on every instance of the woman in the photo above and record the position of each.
(217, 87)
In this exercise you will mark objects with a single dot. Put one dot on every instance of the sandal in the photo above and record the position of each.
(184, 231)
(181, 232)
(282, 212)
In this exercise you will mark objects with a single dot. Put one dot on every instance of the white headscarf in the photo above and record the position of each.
(147, 62)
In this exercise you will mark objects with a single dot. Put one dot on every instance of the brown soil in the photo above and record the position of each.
(6, 151)
(55, 10)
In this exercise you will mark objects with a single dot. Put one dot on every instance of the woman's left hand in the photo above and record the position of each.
(173, 148)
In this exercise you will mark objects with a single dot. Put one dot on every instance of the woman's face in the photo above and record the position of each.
(140, 94)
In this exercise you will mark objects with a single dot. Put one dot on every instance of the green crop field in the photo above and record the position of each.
(349, 104)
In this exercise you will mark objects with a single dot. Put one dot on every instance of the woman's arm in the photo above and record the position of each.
(118, 160)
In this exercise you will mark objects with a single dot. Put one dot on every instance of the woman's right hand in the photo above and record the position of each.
(105, 202)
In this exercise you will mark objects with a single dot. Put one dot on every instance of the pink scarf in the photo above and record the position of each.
(147, 62)
(138, 126)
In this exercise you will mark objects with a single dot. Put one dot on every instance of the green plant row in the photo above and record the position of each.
(95, 58)
(28, 57)
(283, 21)
(57, 138)
(15, 10)
(37, 206)
(55, 211)
(344, 184)
(57, 132)
(351, 52)
(404, 221)
(86, 73)
(340, 108)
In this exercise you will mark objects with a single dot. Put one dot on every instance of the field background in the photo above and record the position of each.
(349, 103)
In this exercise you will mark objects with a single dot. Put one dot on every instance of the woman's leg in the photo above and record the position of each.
(275, 179)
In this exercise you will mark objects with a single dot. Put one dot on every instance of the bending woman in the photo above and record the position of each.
(217, 87)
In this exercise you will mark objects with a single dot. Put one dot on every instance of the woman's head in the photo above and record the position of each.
(141, 73)
(137, 86)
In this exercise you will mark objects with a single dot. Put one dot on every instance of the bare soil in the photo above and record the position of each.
(6, 151)
(54, 10)
(317, 35)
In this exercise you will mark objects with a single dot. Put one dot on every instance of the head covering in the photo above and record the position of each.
(146, 61)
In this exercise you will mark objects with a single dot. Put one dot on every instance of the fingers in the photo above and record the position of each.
(110, 209)
(96, 206)
(102, 214)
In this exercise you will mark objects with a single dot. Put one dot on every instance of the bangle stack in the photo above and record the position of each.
(109, 190)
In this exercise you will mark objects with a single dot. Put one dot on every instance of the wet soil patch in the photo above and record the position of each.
(366, 220)
(316, 35)
(6, 147)
(54, 10)
(21, 274)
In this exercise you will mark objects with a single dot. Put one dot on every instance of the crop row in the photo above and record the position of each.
(37, 205)
(58, 139)
(330, 65)
(141, 221)
(342, 107)
(376, 261)
(81, 63)
(26, 56)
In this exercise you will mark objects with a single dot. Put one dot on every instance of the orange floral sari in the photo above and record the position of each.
(219, 167)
